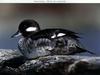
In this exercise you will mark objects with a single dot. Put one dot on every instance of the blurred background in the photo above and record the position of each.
(81, 18)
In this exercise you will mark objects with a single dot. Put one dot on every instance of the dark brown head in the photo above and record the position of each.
(26, 28)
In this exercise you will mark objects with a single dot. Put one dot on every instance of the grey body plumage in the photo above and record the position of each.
(35, 48)
(36, 43)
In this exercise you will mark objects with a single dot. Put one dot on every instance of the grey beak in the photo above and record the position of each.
(16, 34)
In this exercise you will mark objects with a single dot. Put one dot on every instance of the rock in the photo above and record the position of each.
(13, 63)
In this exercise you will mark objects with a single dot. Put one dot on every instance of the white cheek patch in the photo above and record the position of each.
(60, 34)
(29, 29)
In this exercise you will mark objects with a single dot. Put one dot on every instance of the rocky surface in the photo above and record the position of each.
(13, 63)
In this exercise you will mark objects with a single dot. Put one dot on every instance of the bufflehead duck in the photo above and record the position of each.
(55, 41)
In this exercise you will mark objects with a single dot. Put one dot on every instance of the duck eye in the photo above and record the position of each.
(29, 29)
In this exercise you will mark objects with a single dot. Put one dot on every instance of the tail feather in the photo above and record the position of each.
(84, 50)
(90, 52)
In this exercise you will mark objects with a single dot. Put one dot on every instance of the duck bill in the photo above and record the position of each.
(16, 34)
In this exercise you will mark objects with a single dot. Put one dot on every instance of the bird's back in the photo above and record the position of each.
(48, 33)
